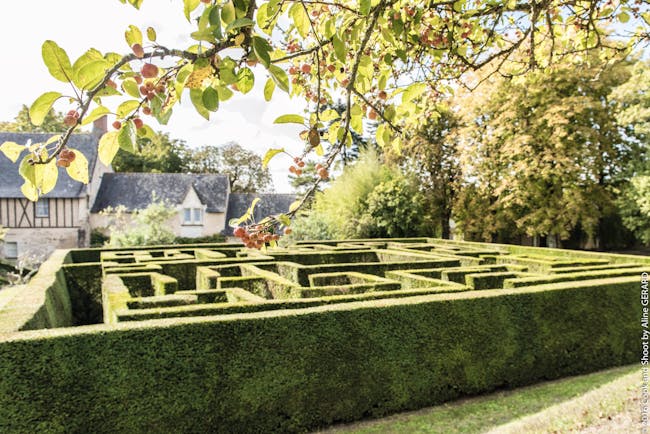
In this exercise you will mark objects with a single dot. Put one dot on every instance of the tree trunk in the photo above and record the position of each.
(444, 224)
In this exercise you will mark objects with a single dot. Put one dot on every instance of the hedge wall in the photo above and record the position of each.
(295, 370)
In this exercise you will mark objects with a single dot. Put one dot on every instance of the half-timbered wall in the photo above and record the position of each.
(21, 213)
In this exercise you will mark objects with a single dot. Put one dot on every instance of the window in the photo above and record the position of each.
(192, 216)
(43, 208)
(11, 250)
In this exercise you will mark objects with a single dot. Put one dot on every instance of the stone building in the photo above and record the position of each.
(64, 217)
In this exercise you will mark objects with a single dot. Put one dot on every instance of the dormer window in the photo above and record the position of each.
(43, 208)
(192, 216)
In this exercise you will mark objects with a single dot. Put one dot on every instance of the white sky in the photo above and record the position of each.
(77, 25)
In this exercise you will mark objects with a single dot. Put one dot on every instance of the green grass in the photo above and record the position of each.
(478, 415)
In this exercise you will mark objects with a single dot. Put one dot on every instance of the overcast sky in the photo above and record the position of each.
(77, 25)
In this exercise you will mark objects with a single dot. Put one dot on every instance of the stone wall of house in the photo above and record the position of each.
(40, 242)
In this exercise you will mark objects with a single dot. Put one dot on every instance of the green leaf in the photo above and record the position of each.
(224, 93)
(269, 155)
(290, 119)
(284, 219)
(280, 77)
(300, 19)
(294, 206)
(624, 17)
(262, 50)
(364, 7)
(339, 48)
(245, 80)
(151, 34)
(215, 21)
(78, 168)
(29, 191)
(27, 170)
(41, 107)
(49, 176)
(246, 216)
(89, 56)
(319, 150)
(133, 35)
(108, 147)
(131, 88)
(91, 74)
(413, 91)
(383, 135)
(126, 137)
(228, 13)
(12, 150)
(239, 23)
(189, 6)
(196, 96)
(57, 61)
(269, 87)
(126, 108)
(210, 99)
(329, 115)
(97, 113)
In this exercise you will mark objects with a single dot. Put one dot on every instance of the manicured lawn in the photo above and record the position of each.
(571, 403)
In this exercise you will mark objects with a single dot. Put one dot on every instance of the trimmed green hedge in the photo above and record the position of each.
(291, 371)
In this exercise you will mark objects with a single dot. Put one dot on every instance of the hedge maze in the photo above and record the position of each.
(219, 338)
(165, 283)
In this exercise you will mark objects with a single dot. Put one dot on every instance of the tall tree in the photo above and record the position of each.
(545, 149)
(243, 167)
(432, 155)
(158, 153)
(52, 123)
(381, 54)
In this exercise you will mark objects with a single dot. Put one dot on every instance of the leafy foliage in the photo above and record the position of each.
(51, 123)
(379, 57)
(543, 152)
(635, 207)
(243, 167)
(368, 199)
(148, 226)
(158, 153)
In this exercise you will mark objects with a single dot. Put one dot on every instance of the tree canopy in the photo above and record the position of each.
(378, 56)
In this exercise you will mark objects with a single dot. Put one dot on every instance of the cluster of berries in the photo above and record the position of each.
(136, 121)
(256, 236)
(297, 169)
(322, 171)
(66, 157)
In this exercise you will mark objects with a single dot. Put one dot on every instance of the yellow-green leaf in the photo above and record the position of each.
(280, 77)
(91, 74)
(245, 80)
(151, 34)
(29, 191)
(290, 119)
(41, 107)
(189, 6)
(210, 99)
(269, 87)
(126, 108)
(97, 113)
(126, 137)
(294, 206)
(228, 13)
(50, 174)
(57, 61)
(78, 169)
(12, 150)
(131, 87)
(196, 96)
(133, 35)
(108, 147)
(269, 155)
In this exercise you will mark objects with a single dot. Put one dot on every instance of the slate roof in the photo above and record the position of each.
(269, 204)
(66, 187)
(133, 190)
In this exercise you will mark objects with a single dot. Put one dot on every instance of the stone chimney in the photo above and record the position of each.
(100, 126)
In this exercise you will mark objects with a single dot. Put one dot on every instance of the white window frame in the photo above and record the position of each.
(196, 216)
(42, 208)
(13, 252)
